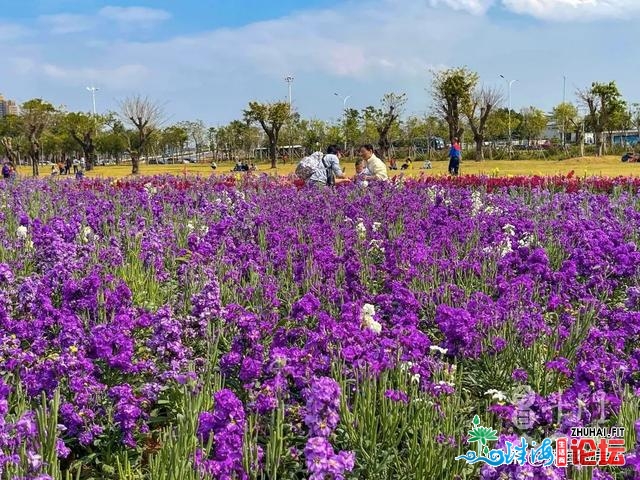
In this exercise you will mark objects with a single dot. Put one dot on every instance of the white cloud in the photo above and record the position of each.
(476, 7)
(10, 31)
(64, 23)
(565, 10)
(392, 46)
(141, 16)
(118, 77)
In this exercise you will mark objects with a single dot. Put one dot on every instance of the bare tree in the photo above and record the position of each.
(145, 117)
(477, 110)
(37, 116)
(386, 118)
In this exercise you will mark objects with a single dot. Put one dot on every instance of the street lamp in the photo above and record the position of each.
(289, 80)
(93, 91)
(344, 114)
(510, 84)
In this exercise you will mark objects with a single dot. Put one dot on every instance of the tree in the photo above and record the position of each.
(173, 139)
(352, 126)
(635, 118)
(145, 117)
(451, 90)
(386, 118)
(113, 141)
(534, 122)
(478, 110)
(37, 115)
(566, 116)
(10, 134)
(83, 129)
(197, 133)
(602, 100)
(271, 117)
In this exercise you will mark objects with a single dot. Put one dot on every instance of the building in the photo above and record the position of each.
(7, 107)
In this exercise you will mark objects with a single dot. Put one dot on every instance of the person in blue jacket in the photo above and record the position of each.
(455, 155)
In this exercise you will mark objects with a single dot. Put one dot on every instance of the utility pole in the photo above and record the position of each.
(289, 80)
(564, 120)
(93, 91)
(509, 85)
(344, 115)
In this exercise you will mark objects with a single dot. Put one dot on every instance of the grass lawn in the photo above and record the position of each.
(590, 166)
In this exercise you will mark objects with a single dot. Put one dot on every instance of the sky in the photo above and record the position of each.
(207, 59)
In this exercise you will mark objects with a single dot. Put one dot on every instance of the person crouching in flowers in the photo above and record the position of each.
(362, 172)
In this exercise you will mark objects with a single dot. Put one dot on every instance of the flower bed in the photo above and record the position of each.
(253, 328)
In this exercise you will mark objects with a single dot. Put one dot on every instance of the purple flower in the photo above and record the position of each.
(520, 375)
(397, 396)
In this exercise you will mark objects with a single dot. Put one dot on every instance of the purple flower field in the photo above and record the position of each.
(173, 328)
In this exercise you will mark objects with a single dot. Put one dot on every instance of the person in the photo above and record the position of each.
(377, 168)
(83, 164)
(455, 155)
(6, 170)
(68, 165)
(330, 161)
(361, 172)
(214, 165)
(393, 164)
(406, 165)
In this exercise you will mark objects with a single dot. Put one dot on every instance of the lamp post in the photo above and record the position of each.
(289, 80)
(509, 85)
(93, 91)
(344, 115)
(564, 100)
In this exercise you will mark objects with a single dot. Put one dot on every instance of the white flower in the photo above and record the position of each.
(374, 245)
(496, 395)
(505, 248)
(376, 226)
(476, 202)
(526, 240)
(368, 309)
(415, 378)
(509, 229)
(436, 348)
(190, 227)
(404, 366)
(21, 231)
(373, 325)
(362, 230)
(87, 234)
(364, 183)
(151, 190)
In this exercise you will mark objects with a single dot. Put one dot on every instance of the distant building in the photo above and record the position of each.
(554, 132)
(8, 107)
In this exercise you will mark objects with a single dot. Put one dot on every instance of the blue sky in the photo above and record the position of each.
(207, 59)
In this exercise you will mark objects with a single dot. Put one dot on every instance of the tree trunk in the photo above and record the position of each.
(479, 139)
(273, 150)
(89, 156)
(35, 167)
(135, 164)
